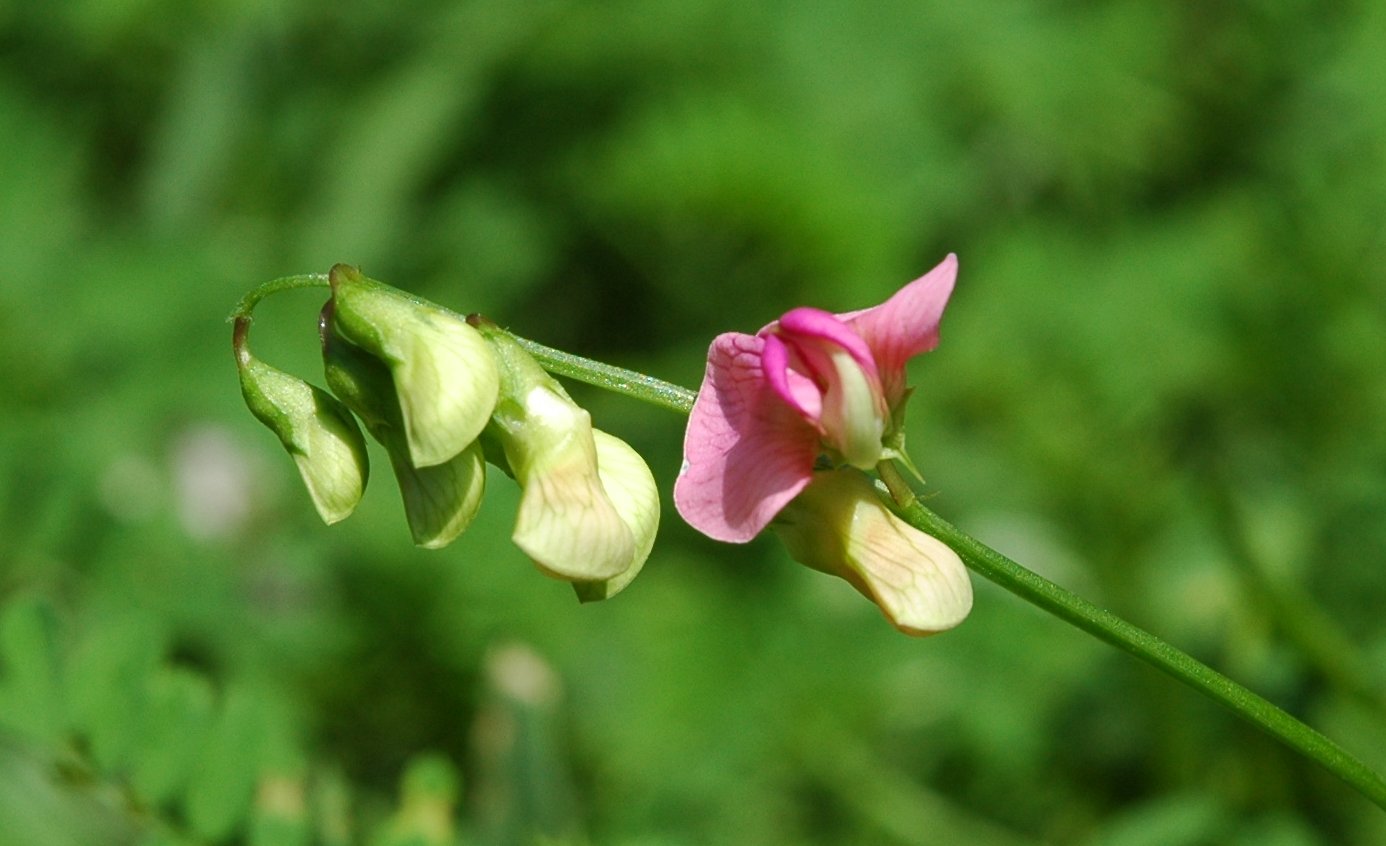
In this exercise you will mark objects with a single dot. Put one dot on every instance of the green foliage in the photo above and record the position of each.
(1159, 384)
(153, 755)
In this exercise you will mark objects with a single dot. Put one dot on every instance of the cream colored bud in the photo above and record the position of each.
(444, 372)
(317, 431)
(440, 500)
(841, 526)
(628, 482)
(566, 522)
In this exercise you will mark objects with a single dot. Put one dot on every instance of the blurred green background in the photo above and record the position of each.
(1162, 383)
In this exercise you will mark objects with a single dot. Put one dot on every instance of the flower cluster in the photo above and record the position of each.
(783, 432)
(784, 425)
(443, 396)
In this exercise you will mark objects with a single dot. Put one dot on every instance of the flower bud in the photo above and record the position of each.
(567, 523)
(444, 373)
(315, 428)
(840, 526)
(439, 500)
(628, 482)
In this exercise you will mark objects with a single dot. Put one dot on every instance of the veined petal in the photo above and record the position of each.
(746, 452)
(905, 325)
(443, 369)
(632, 490)
(840, 526)
(441, 500)
(567, 523)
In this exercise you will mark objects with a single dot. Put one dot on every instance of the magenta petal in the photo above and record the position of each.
(906, 324)
(812, 323)
(747, 453)
(793, 387)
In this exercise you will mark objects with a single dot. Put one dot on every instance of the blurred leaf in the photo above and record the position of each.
(1171, 821)
(228, 768)
(177, 718)
(109, 675)
(32, 700)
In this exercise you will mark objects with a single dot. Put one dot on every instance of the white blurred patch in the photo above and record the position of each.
(213, 482)
(521, 675)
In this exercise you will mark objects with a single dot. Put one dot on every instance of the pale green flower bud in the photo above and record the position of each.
(440, 500)
(841, 526)
(444, 373)
(628, 482)
(314, 427)
(567, 523)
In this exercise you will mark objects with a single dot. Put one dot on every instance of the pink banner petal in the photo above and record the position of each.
(747, 452)
(906, 324)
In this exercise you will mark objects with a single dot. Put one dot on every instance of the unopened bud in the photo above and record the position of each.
(443, 371)
(314, 427)
(566, 523)
(440, 500)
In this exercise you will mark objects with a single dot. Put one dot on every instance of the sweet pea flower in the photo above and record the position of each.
(812, 384)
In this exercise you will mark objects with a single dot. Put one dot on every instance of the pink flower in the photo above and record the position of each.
(808, 385)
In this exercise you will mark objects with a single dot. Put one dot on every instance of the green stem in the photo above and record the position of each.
(622, 381)
(1032, 588)
(284, 283)
(1106, 626)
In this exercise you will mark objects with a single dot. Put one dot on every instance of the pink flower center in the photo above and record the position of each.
(825, 371)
